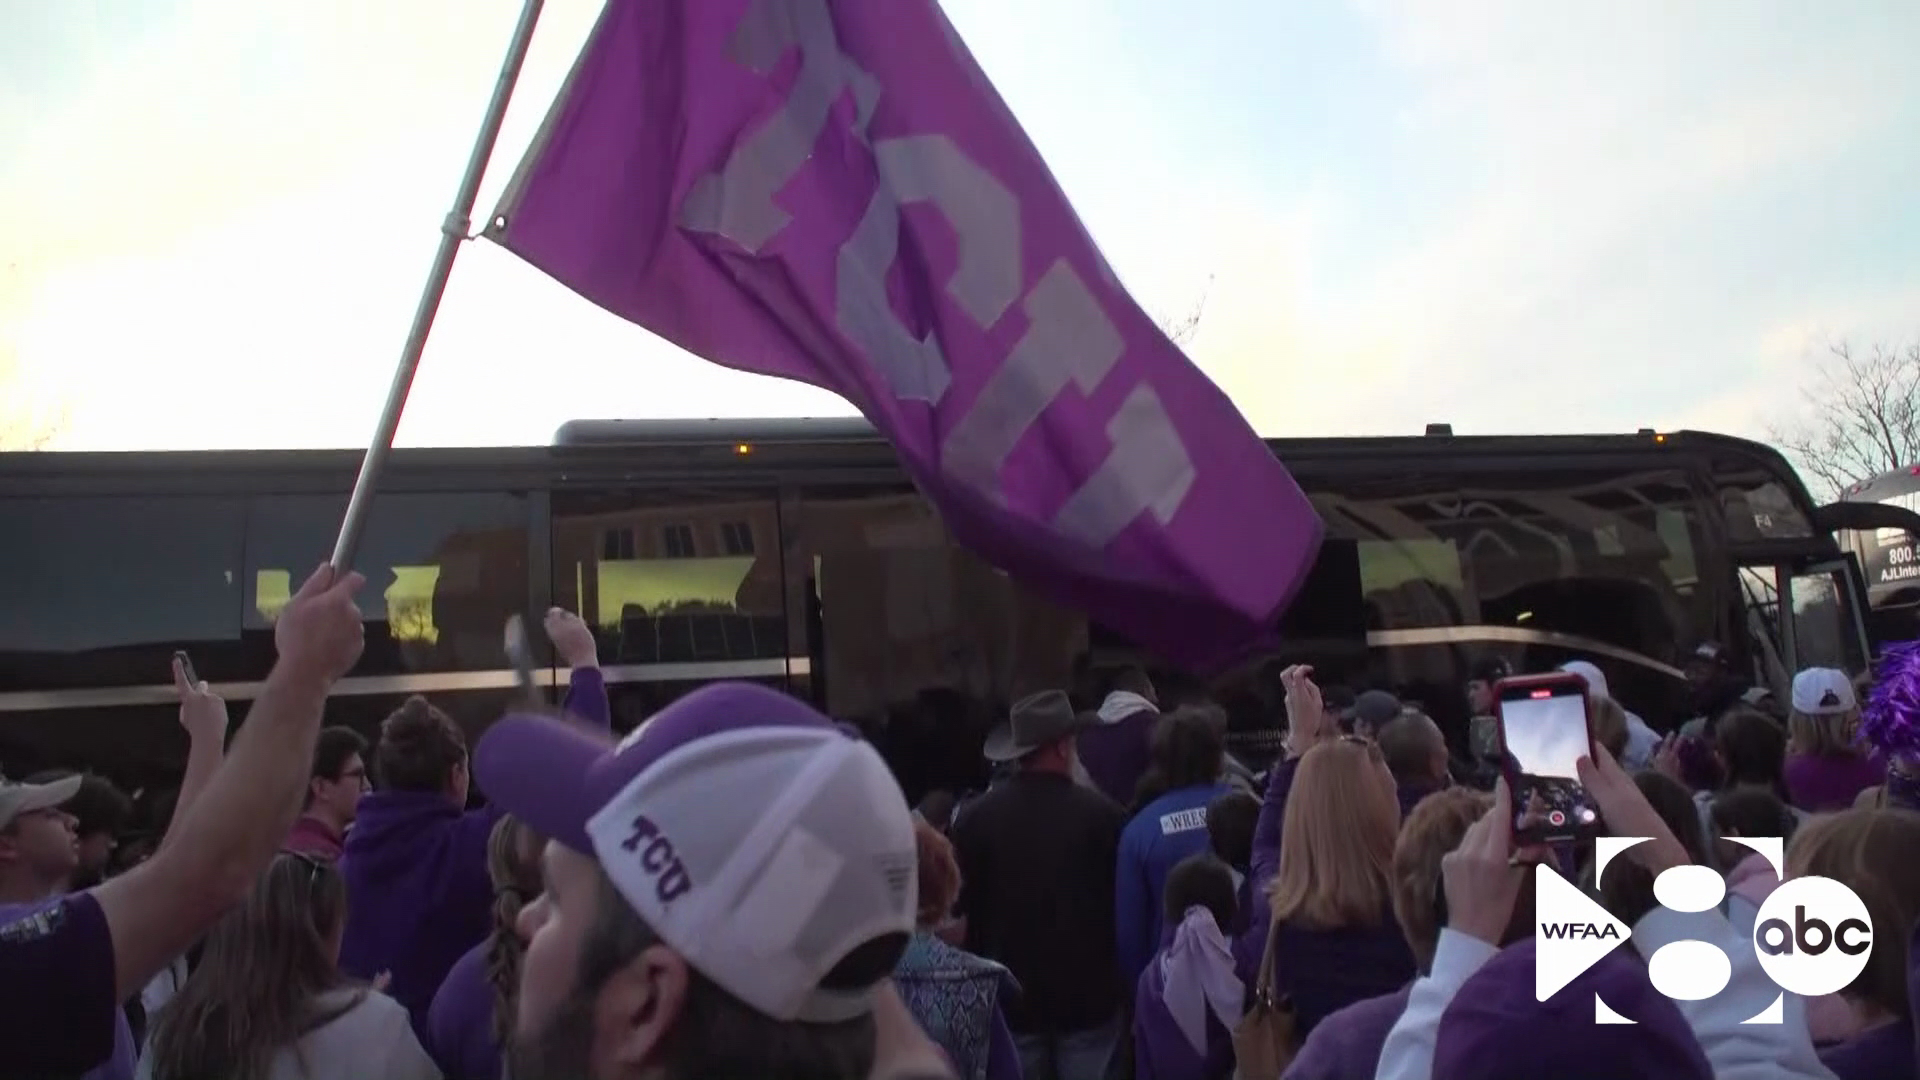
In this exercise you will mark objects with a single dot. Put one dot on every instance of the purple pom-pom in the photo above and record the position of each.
(1891, 718)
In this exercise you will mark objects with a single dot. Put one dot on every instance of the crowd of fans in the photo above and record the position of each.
(740, 887)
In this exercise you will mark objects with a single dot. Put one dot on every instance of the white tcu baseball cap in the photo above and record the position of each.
(754, 836)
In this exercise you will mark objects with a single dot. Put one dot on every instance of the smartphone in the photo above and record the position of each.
(1544, 732)
(186, 666)
(520, 656)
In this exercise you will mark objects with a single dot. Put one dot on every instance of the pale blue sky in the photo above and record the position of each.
(215, 215)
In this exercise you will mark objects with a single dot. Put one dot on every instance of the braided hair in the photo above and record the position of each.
(513, 862)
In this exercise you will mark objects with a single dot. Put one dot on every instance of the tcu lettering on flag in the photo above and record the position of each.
(830, 191)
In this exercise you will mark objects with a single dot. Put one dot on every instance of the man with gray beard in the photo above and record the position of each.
(726, 892)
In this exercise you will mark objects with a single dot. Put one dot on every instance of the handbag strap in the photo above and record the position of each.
(1263, 983)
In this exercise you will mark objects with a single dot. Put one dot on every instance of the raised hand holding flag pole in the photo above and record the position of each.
(831, 191)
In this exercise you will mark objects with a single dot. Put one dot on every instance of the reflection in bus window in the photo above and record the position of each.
(100, 591)
(675, 580)
(1755, 504)
(409, 600)
(1824, 633)
(902, 609)
(444, 571)
(1604, 556)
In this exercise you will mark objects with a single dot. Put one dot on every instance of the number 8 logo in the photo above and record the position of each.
(1812, 936)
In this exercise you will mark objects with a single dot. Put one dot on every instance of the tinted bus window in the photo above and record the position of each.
(1549, 557)
(100, 591)
(1757, 504)
(681, 585)
(897, 608)
(444, 571)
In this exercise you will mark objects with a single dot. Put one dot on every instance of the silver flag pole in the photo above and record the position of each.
(453, 231)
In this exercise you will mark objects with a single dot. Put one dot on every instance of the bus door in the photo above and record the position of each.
(1806, 613)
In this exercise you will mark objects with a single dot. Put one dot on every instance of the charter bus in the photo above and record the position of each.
(1886, 546)
(797, 553)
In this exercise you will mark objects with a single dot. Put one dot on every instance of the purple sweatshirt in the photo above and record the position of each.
(1324, 971)
(1819, 783)
(418, 892)
(1346, 1045)
(459, 1034)
(1250, 945)
(1117, 752)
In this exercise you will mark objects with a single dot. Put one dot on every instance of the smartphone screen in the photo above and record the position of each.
(1543, 736)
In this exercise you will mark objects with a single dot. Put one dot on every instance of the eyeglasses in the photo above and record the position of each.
(357, 776)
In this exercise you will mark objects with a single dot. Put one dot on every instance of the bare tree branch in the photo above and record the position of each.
(28, 433)
(1861, 416)
(1181, 330)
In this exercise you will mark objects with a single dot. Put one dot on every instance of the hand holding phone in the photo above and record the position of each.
(185, 663)
(1544, 733)
(202, 712)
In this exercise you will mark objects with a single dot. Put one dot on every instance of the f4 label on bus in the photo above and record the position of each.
(1812, 935)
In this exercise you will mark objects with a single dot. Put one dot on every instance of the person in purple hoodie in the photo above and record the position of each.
(470, 1025)
(1115, 752)
(416, 860)
(1189, 998)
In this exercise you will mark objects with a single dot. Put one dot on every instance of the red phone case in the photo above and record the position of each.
(1556, 680)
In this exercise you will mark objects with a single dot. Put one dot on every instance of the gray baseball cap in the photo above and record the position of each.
(17, 798)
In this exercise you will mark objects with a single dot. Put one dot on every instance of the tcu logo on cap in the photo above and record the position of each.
(658, 858)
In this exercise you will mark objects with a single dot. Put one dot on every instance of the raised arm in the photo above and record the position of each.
(586, 687)
(204, 716)
(232, 830)
(1308, 725)
(586, 700)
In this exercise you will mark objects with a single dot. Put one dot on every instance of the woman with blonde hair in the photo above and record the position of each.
(1869, 1024)
(1827, 768)
(269, 1002)
(470, 1025)
(1333, 935)
(1348, 1042)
